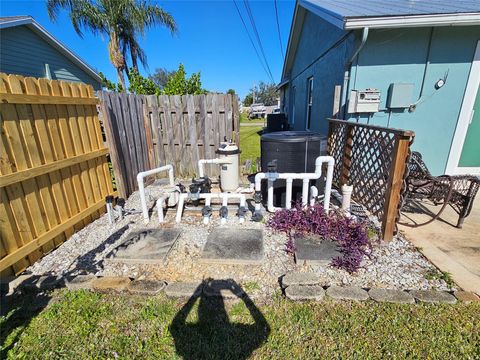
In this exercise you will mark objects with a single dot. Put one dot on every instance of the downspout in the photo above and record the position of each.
(348, 69)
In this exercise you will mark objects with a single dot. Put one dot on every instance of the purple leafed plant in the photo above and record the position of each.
(351, 235)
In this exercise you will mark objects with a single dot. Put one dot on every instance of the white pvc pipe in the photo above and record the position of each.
(305, 191)
(160, 203)
(208, 197)
(201, 172)
(328, 185)
(270, 206)
(313, 194)
(141, 186)
(181, 202)
(306, 177)
(207, 203)
(288, 195)
(109, 213)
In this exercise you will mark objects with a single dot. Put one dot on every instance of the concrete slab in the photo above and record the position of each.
(80, 282)
(226, 289)
(304, 292)
(234, 246)
(46, 282)
(392, 296)
(148, 246)
(300, 278)
(184, 289)
(110, 283)
(313, 250)
(453, 250)
(347, 293)
(433, 296)
(146, 287)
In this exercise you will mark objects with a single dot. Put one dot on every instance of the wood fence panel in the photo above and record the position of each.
(176, 129)
(53, 166)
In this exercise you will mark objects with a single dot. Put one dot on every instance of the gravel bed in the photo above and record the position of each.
(396, 264)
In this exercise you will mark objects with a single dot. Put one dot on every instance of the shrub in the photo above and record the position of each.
(351, 235)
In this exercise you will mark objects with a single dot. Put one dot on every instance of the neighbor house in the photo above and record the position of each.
(404, 64)
(27, 49)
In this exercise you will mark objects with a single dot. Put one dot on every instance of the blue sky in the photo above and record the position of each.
(211, 39)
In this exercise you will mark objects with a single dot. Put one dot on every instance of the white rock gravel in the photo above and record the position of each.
(395, 265)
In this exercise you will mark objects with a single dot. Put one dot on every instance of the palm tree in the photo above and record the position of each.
(121, 20)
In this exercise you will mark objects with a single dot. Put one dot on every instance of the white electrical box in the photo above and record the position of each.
(364, 101)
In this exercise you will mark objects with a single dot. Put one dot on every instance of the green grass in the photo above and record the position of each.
(84, 325)
(436, 274)
(245, 119)
(250, 142)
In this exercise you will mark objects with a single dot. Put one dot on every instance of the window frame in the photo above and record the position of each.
(308, 114)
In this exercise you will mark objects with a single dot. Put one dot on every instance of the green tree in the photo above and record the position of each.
(141, 85)
(231, 91)
(160, 77)
(248, 100)
(123, 21)
(265, 93)
(179, 84)
(107, 83)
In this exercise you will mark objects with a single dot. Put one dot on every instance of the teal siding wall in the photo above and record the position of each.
(317, 37)
(401, 55)
(23, 52)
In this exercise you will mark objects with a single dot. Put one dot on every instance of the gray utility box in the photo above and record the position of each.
(400, 96)
(364, 101)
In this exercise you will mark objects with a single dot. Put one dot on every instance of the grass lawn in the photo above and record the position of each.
(85, 325)
(250, 142)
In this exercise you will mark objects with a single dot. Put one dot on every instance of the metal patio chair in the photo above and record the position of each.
(458, 191)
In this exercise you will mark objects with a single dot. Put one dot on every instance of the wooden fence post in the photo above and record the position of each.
(113, 146)
(347, 155)
(148, 133)
(394, 185)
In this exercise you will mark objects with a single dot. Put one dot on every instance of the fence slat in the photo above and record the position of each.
(148, 132)
(193, 131)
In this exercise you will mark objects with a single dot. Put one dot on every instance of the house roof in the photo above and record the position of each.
(11, 21)
(359, 14)
(354, 14)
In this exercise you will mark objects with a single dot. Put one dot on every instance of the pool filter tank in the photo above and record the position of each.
(229, 173)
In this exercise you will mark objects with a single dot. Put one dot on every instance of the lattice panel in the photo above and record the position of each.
(336, 146)
(363, 158)
(371, 161)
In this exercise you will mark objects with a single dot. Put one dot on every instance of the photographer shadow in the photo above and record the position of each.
(213, 335)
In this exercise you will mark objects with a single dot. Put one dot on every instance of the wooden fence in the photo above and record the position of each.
(145, 132)
(54, 174)
(374, 160)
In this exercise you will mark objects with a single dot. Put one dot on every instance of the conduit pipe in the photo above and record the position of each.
(201, 172)
(289, 177)
(208, 198)
(141, 185)
(348, 71)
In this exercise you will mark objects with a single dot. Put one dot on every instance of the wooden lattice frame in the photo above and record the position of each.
(373, 159)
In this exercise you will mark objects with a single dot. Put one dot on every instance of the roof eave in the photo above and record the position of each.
(40, 30)
(463, 19)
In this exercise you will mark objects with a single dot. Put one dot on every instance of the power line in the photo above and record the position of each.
(278, 27)
(251, 40)
(255, 30)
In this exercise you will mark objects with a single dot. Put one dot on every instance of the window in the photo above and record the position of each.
(294, 89)
(309, 102)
